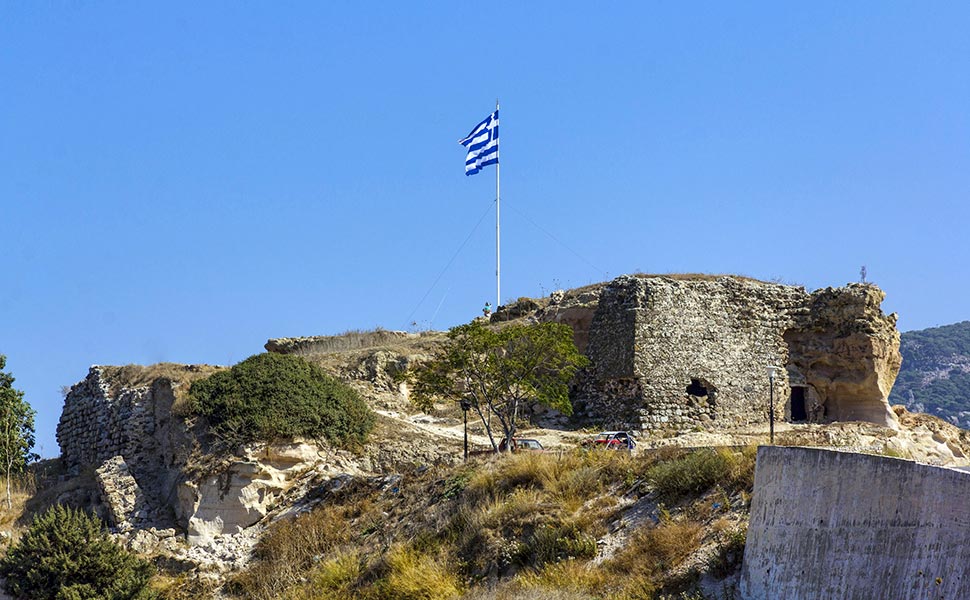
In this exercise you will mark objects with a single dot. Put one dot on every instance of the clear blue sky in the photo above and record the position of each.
(181, 182)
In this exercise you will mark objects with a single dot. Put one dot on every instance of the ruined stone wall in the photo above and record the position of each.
(702, 348)
(336, 343)
(131, 428)
(847, 526)
(685, 352)
(95, 426)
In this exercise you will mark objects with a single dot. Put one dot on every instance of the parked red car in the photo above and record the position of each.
(612, 440)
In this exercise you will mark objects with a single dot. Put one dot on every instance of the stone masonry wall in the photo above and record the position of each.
(135, 425)
(94, 426)
(719, 336)
(682, 352)
(844, 526)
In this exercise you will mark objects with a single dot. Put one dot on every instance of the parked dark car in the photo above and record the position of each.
(522, 444)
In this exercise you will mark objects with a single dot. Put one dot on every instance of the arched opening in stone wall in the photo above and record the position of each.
(701, 401)
(698, 388)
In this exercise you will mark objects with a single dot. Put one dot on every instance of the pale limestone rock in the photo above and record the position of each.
(848, 351)
(246, 490)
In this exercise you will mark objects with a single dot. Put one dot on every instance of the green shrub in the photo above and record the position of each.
(66, 555)
(270, 396)
(550, 543)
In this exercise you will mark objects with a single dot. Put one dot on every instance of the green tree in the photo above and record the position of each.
(66, 555)
(272, 396)
(16, 428)
(495, 370)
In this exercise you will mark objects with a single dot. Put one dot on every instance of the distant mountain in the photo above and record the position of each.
(935, 376)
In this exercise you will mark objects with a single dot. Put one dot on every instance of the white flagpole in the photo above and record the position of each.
(498, 262)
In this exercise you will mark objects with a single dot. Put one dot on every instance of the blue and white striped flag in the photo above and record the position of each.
(482, 144)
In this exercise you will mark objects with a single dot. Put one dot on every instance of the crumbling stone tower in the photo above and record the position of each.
(678, 352)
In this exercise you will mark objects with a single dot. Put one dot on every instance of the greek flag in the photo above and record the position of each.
(482, 144)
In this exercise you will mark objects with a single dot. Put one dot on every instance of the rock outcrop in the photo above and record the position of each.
(244, 491)
(846, 352)
(336, 343)
(158, 480)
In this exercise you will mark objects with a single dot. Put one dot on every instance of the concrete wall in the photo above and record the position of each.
(844, 526)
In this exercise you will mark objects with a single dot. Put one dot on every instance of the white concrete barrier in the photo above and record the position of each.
(841, 526)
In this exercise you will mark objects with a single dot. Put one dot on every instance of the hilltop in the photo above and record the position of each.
(677, 360)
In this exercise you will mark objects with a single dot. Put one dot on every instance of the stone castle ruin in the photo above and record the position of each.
(680, 352)
(667, 353)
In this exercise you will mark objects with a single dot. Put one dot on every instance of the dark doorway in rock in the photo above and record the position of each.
(798, 412)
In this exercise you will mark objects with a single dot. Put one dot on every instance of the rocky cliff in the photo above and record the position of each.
(161, 484)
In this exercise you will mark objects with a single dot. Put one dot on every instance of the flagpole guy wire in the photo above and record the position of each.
(557, 240)
(445, 269)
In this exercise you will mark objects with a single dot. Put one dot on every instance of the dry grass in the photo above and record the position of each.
(183, 587)
(182, 376)
(700, 470)
(649, 556)
(402, 573)
(411, 575)
(570, 576)
(532, 509)
(22, 488)
(334, 579)
(133, 376)
(291, 548)
(527, 523)
(571, 477)
(697, 276)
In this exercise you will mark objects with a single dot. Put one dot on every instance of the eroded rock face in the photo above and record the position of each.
(158, 486)
(575, 308)
(243, 492)
(847, 350)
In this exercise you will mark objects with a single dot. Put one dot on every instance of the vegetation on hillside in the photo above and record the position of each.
(935, 374)
(494, 370)
(271, 397)
(515, 527)
(16, 431)
(65, 554)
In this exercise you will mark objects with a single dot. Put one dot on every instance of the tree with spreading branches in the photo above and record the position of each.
(495, 369)
(16, 429)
